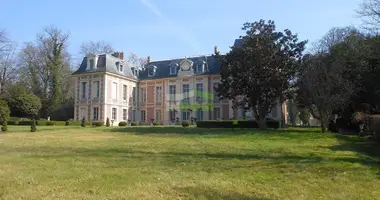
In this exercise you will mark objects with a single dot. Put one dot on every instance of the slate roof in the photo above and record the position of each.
(107, 63)
(163, 67)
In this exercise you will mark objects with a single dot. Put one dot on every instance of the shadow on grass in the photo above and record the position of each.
(359, 145)
(208, 193)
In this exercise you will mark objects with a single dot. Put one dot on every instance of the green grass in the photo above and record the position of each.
(177, 163)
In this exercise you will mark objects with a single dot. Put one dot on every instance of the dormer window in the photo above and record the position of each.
(173, 68)
(199, 67)
(92, 63)
(121, 68)
(151, 71)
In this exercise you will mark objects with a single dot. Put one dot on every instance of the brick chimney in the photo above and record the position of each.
(148, 59)
(121, 55)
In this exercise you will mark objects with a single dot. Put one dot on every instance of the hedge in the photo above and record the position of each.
(47, 123)
(97, 123)
(123, 123)
(236, 124)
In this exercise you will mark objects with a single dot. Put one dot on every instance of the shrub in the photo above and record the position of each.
(83, 123)
(97, 123)
(26, 123)
(108, 122)
(185, 123)
(11, 122)
(33, 127)
(50, 123)
(4, 127)
(67, 123)
(236, 124)
(156, 123)
(122, 123)
(133, 124)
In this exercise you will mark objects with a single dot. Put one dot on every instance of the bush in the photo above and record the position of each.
(33, 127)
(4, 127)
(83, 123)
(236, 124)
(185, 123)
(50, 123)
(108, 122)
(26, 123)
(133, 124)
(97, 124)
(67, 123)
(11, 122)
(156, 123)
(122, 123)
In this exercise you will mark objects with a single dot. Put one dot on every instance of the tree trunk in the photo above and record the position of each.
(323, 126)
(262, 123)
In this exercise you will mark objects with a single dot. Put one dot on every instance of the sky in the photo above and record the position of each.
(167, 29)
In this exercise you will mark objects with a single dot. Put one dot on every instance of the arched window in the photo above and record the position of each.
(173, 68)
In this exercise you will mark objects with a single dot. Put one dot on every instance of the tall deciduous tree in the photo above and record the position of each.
(369, 10)
(97, 47)
(7, 61)
(259, 73)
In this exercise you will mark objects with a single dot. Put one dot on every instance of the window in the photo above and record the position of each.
(113, 114)
(172, 115)
(158, 115)
(158, 94)
(185, 91)
(92, 63)
(215, 94)
(172, 92)
(124, 92)
(134, 99)
(96, 113)
(143, 115)
(96, 89)
(199, 68)
(173, 69)
(216, 113)
(114, 91)
(151, 71)
(121, 68)
(83, 113)
(84, 90)
(142, 95)
(199, 92)
(134, 115)
(125, 114)
(185, 115)
(200, 114)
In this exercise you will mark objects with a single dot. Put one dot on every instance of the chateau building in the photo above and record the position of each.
(166, 91)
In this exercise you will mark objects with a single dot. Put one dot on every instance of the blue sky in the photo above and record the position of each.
(170, 28)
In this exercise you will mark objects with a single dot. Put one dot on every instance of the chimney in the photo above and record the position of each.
(121, 55)
(216, 50)
(148, 59)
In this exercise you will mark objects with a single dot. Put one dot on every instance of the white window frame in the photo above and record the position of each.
(158, 94)
(125, 113)
(213, 113)
(92, 65)
(143, 115)
(185, 115)
(158, 115)
(172, 91)
(114, 114)
(96, 93)
(186, 95)
(199, 114)
(83, 90)
(199, 92)
(95, 116)
(114, 92)
(201, 65)
(173, 69)
(125, 90)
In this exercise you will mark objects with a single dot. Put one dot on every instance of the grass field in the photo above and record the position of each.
(177, 163)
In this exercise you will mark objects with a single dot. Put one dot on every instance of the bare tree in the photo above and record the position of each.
(322, 88)
(369, 11)
(7, 61)
(334, 36)
(96, 48)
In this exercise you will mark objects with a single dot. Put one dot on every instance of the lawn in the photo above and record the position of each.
(191, 163)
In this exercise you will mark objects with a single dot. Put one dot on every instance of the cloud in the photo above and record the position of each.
(175, 28)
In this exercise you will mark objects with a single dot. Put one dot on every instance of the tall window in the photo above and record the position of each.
(172, 92)
(124, 92)
(216, 113)
(143, 115)
(134, 115)
(199, 92)
(114, 111)
(185, 91)
(92, 63)
(172, 115)
(173, 69)
(124, 114)
(158, 115)
(199, 68)
(200, 114)
(159, 94)
(95, 113)
(96, 89)
(215, 94)
(134, 94)
(114, 91)
(185, 115)
(142, 95)
(84, 90)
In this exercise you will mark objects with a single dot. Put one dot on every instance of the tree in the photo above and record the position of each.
(98, 47)
(333, 37)
(259, 73)
(33, 127)
(7, 61)
(304, 116)
(4, 111)
(22, 102)
(322, 87)
(369, 11)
